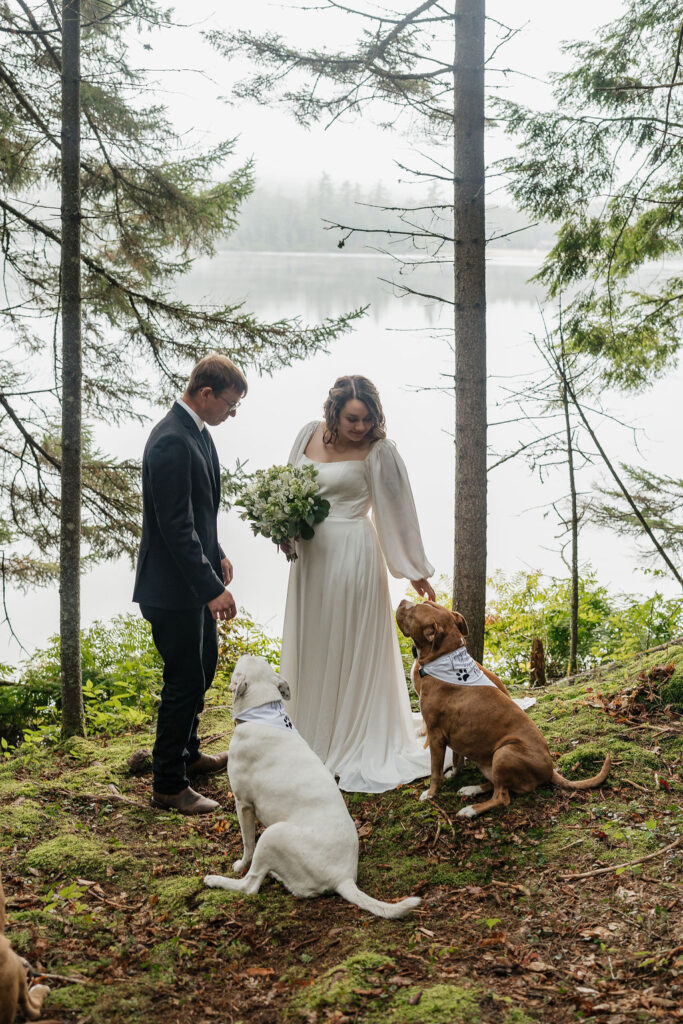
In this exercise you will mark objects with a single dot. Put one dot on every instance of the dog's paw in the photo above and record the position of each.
(214, 881)
(426, 795)
(36, 996)
(467, 812)
(240, 865)
(471, 790)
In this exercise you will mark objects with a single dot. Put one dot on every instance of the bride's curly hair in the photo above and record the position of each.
(344, 390)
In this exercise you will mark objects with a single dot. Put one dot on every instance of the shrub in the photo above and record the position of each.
(610, 627)
(122, 677)
(121, 681)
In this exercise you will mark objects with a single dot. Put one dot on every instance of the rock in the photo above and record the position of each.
(140, 762)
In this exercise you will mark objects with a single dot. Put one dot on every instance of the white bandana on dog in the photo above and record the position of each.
(457, 667)
(272, 713)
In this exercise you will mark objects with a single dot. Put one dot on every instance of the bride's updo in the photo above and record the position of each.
(344, 390)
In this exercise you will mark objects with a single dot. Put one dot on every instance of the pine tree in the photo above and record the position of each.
(607, 164)
(149, 206)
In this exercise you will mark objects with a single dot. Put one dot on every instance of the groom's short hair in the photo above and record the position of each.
(218, 373)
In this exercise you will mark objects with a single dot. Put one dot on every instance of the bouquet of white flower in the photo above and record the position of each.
(283, 503)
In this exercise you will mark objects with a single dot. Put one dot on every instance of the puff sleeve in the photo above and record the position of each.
(394, 513)
(300, 442)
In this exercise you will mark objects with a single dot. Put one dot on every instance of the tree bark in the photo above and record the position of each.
(537, 674)
(574, 526)
(73, 720)
(469, 578)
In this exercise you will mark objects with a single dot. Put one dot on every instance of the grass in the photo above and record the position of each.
(105, 891)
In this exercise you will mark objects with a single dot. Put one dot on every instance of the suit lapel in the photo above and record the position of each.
(207, 448)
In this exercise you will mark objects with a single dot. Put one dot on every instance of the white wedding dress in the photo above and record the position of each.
(340, 653)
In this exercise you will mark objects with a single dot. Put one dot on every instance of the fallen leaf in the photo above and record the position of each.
(259, 972)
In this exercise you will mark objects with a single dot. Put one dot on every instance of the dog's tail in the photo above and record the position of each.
(350, 891)
(593, 783)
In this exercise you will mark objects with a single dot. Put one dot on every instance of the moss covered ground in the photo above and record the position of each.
(545, 913)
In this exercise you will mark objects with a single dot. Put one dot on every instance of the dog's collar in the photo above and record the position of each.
(421, 672)
(272, 713)
(457, 667)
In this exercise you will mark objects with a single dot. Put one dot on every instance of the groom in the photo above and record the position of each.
(182, 573)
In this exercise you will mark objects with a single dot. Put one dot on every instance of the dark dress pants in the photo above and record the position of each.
(187, 641)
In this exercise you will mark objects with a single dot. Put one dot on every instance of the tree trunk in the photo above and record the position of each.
(574, 524)
(537, 674)
(469, 576)
(73, 720)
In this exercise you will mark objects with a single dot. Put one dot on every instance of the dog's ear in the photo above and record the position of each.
(238, 684)
(433, 634)
(283, 687)
(461, 623)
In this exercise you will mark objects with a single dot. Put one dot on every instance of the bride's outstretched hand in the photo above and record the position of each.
(424, 589)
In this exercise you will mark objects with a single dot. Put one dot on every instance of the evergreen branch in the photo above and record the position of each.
(615, 475)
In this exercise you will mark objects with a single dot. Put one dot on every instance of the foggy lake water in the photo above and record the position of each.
(403, 344)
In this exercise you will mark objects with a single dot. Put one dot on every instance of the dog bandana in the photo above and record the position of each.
(272, 713)
(457, 667)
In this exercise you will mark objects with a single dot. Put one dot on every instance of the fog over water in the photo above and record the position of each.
(402, 344)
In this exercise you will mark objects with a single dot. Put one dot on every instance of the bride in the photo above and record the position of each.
(340, 652)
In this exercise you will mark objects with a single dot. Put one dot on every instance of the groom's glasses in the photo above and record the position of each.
(231, 406)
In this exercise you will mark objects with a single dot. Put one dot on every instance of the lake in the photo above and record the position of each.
(404, 346)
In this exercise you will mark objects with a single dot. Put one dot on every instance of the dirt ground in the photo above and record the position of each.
(563, 907)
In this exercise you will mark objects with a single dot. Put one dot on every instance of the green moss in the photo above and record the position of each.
(80, 748)
(11, 788)
(405, 873)
(164, 960)
(104, 1003)
(672, 692)
(75, 997)
(517, 1016)
(336, 986)
(22, 819)
(346, 986)
(177, 891)
(585, 759)
(440, 1004)
(75, 854)
(21, 939)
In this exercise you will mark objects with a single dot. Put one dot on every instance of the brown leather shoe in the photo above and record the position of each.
(208, 764)
(185, 802)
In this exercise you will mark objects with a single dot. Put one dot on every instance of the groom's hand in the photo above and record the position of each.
(223, 606)
(226, 566)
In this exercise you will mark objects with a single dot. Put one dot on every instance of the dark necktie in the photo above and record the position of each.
(206, 441)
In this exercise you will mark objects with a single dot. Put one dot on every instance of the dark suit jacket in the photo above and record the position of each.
(179, 562)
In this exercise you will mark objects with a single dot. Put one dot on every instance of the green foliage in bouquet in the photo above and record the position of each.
(283, 503)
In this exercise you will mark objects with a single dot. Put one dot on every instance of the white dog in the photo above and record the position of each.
(310, 842)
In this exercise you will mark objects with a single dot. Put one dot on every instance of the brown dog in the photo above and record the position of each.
(14, 991)
(476, 719)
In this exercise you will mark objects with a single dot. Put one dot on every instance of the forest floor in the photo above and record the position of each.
(566, 906)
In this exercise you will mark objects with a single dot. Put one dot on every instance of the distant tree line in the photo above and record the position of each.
(298, 217)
